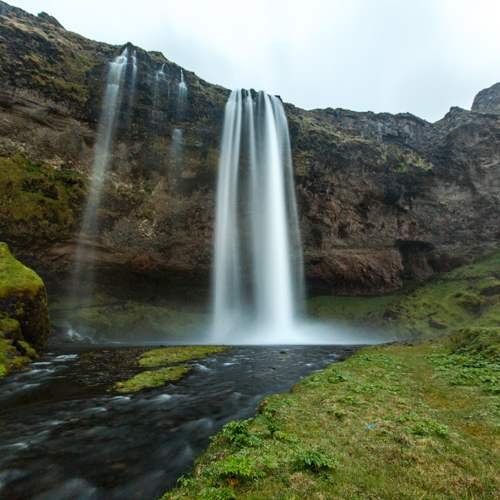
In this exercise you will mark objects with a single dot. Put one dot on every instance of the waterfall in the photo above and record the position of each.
(160, 80)
(176, 149)
(133, 80)
(182, 92)
(258, 272)
(107, 124)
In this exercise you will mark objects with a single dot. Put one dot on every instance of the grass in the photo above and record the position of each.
(166, 361)
(358, 309)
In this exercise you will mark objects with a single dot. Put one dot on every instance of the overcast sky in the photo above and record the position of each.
(421, 56)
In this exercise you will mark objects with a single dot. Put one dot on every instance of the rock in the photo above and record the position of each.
(488, 100)
(50, 19)
(24, 320)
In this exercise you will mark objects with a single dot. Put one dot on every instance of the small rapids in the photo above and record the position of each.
(63, 435)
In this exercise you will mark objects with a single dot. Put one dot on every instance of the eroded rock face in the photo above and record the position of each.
(382, 198)
(488, 100)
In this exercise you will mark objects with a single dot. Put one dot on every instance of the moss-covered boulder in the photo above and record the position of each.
(24, 320)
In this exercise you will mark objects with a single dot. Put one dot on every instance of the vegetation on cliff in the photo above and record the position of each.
(39, 202)
(24, 320)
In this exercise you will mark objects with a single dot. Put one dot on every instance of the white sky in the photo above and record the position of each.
(421, 56)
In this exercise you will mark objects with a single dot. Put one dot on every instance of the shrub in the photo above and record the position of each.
(314, 461)
(238, 433)
(241, 467)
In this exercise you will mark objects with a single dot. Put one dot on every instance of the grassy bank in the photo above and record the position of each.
(394, 421)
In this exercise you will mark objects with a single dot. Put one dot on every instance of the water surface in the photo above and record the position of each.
(63, 435)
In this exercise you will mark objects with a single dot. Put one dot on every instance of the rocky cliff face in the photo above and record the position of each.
(382, 198)
(488, 100)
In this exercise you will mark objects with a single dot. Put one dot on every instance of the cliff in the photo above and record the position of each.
(382, 198)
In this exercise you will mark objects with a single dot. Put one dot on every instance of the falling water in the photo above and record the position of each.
(176, 148)
(181, 96)
(258, 260)
(133, 79)
(107, 125)
(160, 81)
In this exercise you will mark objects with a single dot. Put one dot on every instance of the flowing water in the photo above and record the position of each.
(102, 153)
(176, 145)
(64, 436)
(258, 276)
(160, 87)
(182, 92)
(133, 80)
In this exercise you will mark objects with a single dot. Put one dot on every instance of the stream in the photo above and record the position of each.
(63, 435)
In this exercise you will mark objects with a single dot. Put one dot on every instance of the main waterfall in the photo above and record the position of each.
(258, 275)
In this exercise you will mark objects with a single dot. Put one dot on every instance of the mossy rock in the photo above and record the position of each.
(153, 378)
(38, 202)
(24, 320)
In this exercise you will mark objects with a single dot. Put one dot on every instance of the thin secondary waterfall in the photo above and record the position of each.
(182, 92)
(133, 79)
(107, 125)
(258, 283)
(176, 149)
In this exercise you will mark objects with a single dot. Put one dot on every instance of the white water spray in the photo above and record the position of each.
(258, 283)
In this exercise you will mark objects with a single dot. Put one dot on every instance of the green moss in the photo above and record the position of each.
(24, 317)
(168, 355)
(161, 357)
(348, 431)
(38, 201)
(9, 327)
(153, 378)
(26, 349)
(15, 277)
(453, 301)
